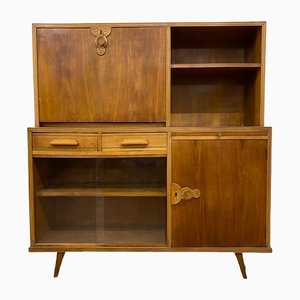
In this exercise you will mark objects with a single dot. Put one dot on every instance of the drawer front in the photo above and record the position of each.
(68, 142)
(134, 142)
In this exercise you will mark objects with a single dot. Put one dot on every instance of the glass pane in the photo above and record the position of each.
(65, 200)
(104, 200)
(131, 209)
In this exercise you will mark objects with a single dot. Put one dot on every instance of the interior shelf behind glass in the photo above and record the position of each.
(105, 201)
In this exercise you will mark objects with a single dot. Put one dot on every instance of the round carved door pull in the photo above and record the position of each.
(185, 193)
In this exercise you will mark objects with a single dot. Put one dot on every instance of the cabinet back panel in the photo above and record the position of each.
(126, 84)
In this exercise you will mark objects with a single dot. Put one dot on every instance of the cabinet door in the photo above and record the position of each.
(126, 84)
(106, 201)
(231, 176)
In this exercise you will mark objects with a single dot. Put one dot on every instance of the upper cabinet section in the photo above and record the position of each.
(100, 74)
(172, 74)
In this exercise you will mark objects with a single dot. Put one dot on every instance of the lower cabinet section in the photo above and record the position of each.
(223, 202)
(206, 191)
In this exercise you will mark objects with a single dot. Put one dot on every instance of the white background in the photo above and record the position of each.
(149, 275)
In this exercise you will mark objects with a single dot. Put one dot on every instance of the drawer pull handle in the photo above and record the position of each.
(55, 143)
(140, 142)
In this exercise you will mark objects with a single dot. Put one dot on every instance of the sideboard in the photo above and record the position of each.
(149, 137)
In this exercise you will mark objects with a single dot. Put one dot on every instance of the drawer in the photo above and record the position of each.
(69, 142)
(134, 142)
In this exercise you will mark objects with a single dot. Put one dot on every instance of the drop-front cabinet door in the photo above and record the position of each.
(219, 192)
(82, 81)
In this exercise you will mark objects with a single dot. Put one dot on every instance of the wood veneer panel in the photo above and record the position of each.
(127, 84)
(134, 142)
(35, 77)
(231, 176)
(64, 142)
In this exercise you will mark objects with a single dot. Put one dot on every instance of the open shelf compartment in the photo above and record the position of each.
(216, 44)
(206, 98)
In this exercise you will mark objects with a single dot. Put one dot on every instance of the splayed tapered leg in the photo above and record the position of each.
(240, 260)
(59, 259)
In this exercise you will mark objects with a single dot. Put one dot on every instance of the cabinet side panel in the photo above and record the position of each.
(263, 72)
(35, 77)
(268, 204)
(168, 76)
(31, 190)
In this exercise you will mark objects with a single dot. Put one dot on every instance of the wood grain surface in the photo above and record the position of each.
(231, 176)
(127, 84)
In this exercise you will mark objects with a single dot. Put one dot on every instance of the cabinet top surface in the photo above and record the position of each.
(117, 129)
(174, 24)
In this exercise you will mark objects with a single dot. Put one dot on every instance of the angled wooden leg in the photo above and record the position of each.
(59, 259)
(240, 260)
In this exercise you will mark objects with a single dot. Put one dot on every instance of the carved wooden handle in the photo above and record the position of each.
(140, 142)
(185, 193)
(101, 41)
(101, 35)
(55, 143)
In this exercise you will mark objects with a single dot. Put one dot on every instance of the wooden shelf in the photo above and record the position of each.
(123, 235)
(216, 65)
(129, 191)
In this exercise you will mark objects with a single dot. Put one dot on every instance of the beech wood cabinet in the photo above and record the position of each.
(149, 137)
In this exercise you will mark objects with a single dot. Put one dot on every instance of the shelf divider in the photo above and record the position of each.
(136, 191)
(216, 65)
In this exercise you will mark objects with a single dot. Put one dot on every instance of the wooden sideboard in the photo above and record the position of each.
(149, 137)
